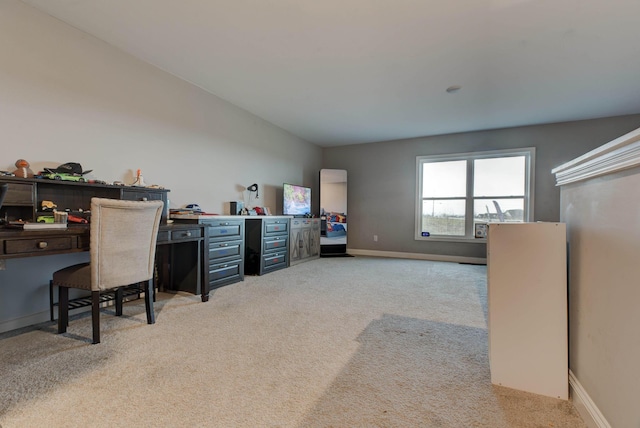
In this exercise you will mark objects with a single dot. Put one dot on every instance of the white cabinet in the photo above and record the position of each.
(527, 296)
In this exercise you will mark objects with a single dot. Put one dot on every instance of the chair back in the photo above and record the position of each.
(123, 241)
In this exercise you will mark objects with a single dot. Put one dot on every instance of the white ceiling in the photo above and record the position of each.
(339, 72)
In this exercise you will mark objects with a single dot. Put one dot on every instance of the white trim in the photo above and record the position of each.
(418, 256)
(585, 405)
(617, 155)
(16, 323)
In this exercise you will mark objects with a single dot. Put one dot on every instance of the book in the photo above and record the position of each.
(191, 216)
(42, 226)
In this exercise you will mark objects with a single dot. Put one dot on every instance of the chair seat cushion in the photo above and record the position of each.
(76, 276)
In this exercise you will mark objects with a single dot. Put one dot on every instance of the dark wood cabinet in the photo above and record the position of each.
(224, 249)
(266, 244)
(181, 255)
(304, 243)
(25, 196)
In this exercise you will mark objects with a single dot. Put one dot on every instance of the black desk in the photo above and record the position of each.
(179, 255)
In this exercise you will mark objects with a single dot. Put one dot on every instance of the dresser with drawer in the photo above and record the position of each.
(226, 251)
(266, 244)
(224, 248)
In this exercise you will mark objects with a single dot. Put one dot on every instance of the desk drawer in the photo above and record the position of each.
(225, 273)
(274, 259)
(43, 245)
(275, 243)
(178, 235)
(273, 262)
(219, 251)
(276, 227)
(226, 230)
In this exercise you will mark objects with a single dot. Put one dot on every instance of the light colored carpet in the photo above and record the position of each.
(335, 342)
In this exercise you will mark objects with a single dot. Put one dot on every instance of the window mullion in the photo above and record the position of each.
(468, 229)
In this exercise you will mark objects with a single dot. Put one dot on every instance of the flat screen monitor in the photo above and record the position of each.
(296, 200)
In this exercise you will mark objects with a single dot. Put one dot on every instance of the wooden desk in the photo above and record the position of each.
(180, 251)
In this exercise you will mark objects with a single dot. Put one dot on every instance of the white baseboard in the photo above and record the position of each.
(418, 256)
(17, 323)
(585, 406)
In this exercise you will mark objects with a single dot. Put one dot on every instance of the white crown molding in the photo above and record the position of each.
(617, 155)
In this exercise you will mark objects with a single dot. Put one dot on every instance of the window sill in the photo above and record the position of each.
(451, 239)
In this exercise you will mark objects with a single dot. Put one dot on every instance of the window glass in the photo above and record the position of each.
(511, 210)
(444, 217)
(499, 176)
(444, 179)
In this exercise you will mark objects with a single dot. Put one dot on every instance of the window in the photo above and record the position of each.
(456, 192)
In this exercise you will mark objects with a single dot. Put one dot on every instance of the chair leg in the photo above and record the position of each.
(119, 297)
(63, 309)
(95, 315)
(148, 302)
(51, 301)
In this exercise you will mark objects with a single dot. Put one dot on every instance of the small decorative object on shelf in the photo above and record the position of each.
(23, 169)
(70, 171)
(48, 206)
(139, 179)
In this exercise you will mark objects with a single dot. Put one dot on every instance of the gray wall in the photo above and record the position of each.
(603, 227)
(382, 178)
(68, 97)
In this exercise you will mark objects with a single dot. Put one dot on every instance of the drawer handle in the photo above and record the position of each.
(43, 244)
(224, 245)
(187, 234)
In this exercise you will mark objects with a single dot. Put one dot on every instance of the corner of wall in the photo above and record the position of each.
(584, 405)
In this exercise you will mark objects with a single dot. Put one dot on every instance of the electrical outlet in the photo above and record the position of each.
(375, 238)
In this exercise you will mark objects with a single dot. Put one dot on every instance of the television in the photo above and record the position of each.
(296, 200)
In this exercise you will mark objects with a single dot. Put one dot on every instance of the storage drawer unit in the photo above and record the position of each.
(226, 251)
(266, 244)
(223, 249)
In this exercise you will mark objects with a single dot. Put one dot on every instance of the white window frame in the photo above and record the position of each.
(528, 152)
